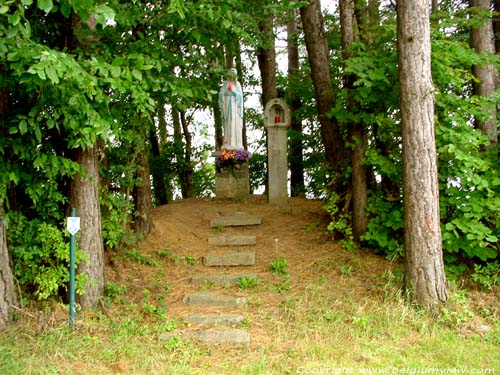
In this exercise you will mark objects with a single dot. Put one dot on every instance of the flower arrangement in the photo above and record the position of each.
(231, 160)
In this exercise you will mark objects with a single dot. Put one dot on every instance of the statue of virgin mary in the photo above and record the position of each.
(231, 105)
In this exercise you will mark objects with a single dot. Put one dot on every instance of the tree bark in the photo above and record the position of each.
(187, 174)
(157, 171)
(8, 297)
(239, 68)
(297, 185)
(84, 196)
(349, 34)
(482, 39)
(496, 25)
(266, 57)
(142, 192)
(424, 269)
(319, 61)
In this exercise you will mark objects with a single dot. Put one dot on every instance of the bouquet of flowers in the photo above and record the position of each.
(231, 160)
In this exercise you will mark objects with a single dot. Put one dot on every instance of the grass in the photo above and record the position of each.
(321, 326)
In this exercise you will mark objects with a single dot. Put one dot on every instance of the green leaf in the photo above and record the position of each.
(45, 5)
(23, 126)
(4, 9)
(137, 74)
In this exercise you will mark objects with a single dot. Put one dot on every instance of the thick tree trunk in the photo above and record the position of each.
(482, 39)
(297, 185)
(142, 194)
(8, 297)
(84, 196)
(319, 61)
(424, 269)
(349, 34)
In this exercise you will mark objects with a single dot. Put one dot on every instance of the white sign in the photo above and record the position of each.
(73, 225)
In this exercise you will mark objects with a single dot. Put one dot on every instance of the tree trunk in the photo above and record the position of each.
(424, 269)
(349, 34)
(142, 192)
(187, 173)
(266, 57)
(496, 25)
(297, 185)
(162, 121)
(482, 39)
(157, 170)
(8, 297)
(319, 61)
(239, 68)
(84, 196)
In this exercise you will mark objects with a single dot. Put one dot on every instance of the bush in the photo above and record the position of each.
(40, 253)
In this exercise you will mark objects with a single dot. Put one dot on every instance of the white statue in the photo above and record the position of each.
(231, 105)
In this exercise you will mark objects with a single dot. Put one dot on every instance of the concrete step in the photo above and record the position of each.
(212, 299)
(228, 336)
(232, 241)
(215, 319)
(229, 279)
(224, 336)
(235, 220)
(242, 258)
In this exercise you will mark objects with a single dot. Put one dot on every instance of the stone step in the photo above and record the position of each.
(232, 241)
(235, 220)
(224, 336)
(212, 299)
(242, 258)
(222, 319)
(229, 279)
(229, 336)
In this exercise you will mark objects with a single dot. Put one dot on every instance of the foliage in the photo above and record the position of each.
(116, 214)
(138, 257)
(487, 275)
(339, 226)
(248, 282)
(279, 266)
(40, 253)
(385, 228)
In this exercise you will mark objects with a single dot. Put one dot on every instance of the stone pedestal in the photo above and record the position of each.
(277, 121)
(233, 184)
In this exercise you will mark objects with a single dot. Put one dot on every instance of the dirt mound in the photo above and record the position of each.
(295, 233)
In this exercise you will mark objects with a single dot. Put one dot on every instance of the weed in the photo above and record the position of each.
(167, 287)
(346, 270)
(279, 266)
(113, 291)
(164, 253)
(283, 285)
(190, 260)
(218, 228)
(138, 257)
(312, 226)
(248, 282)
(244, 323)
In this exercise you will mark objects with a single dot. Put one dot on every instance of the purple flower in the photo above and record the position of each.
(243, 154)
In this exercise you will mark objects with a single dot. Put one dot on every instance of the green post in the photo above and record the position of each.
(72, 277)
